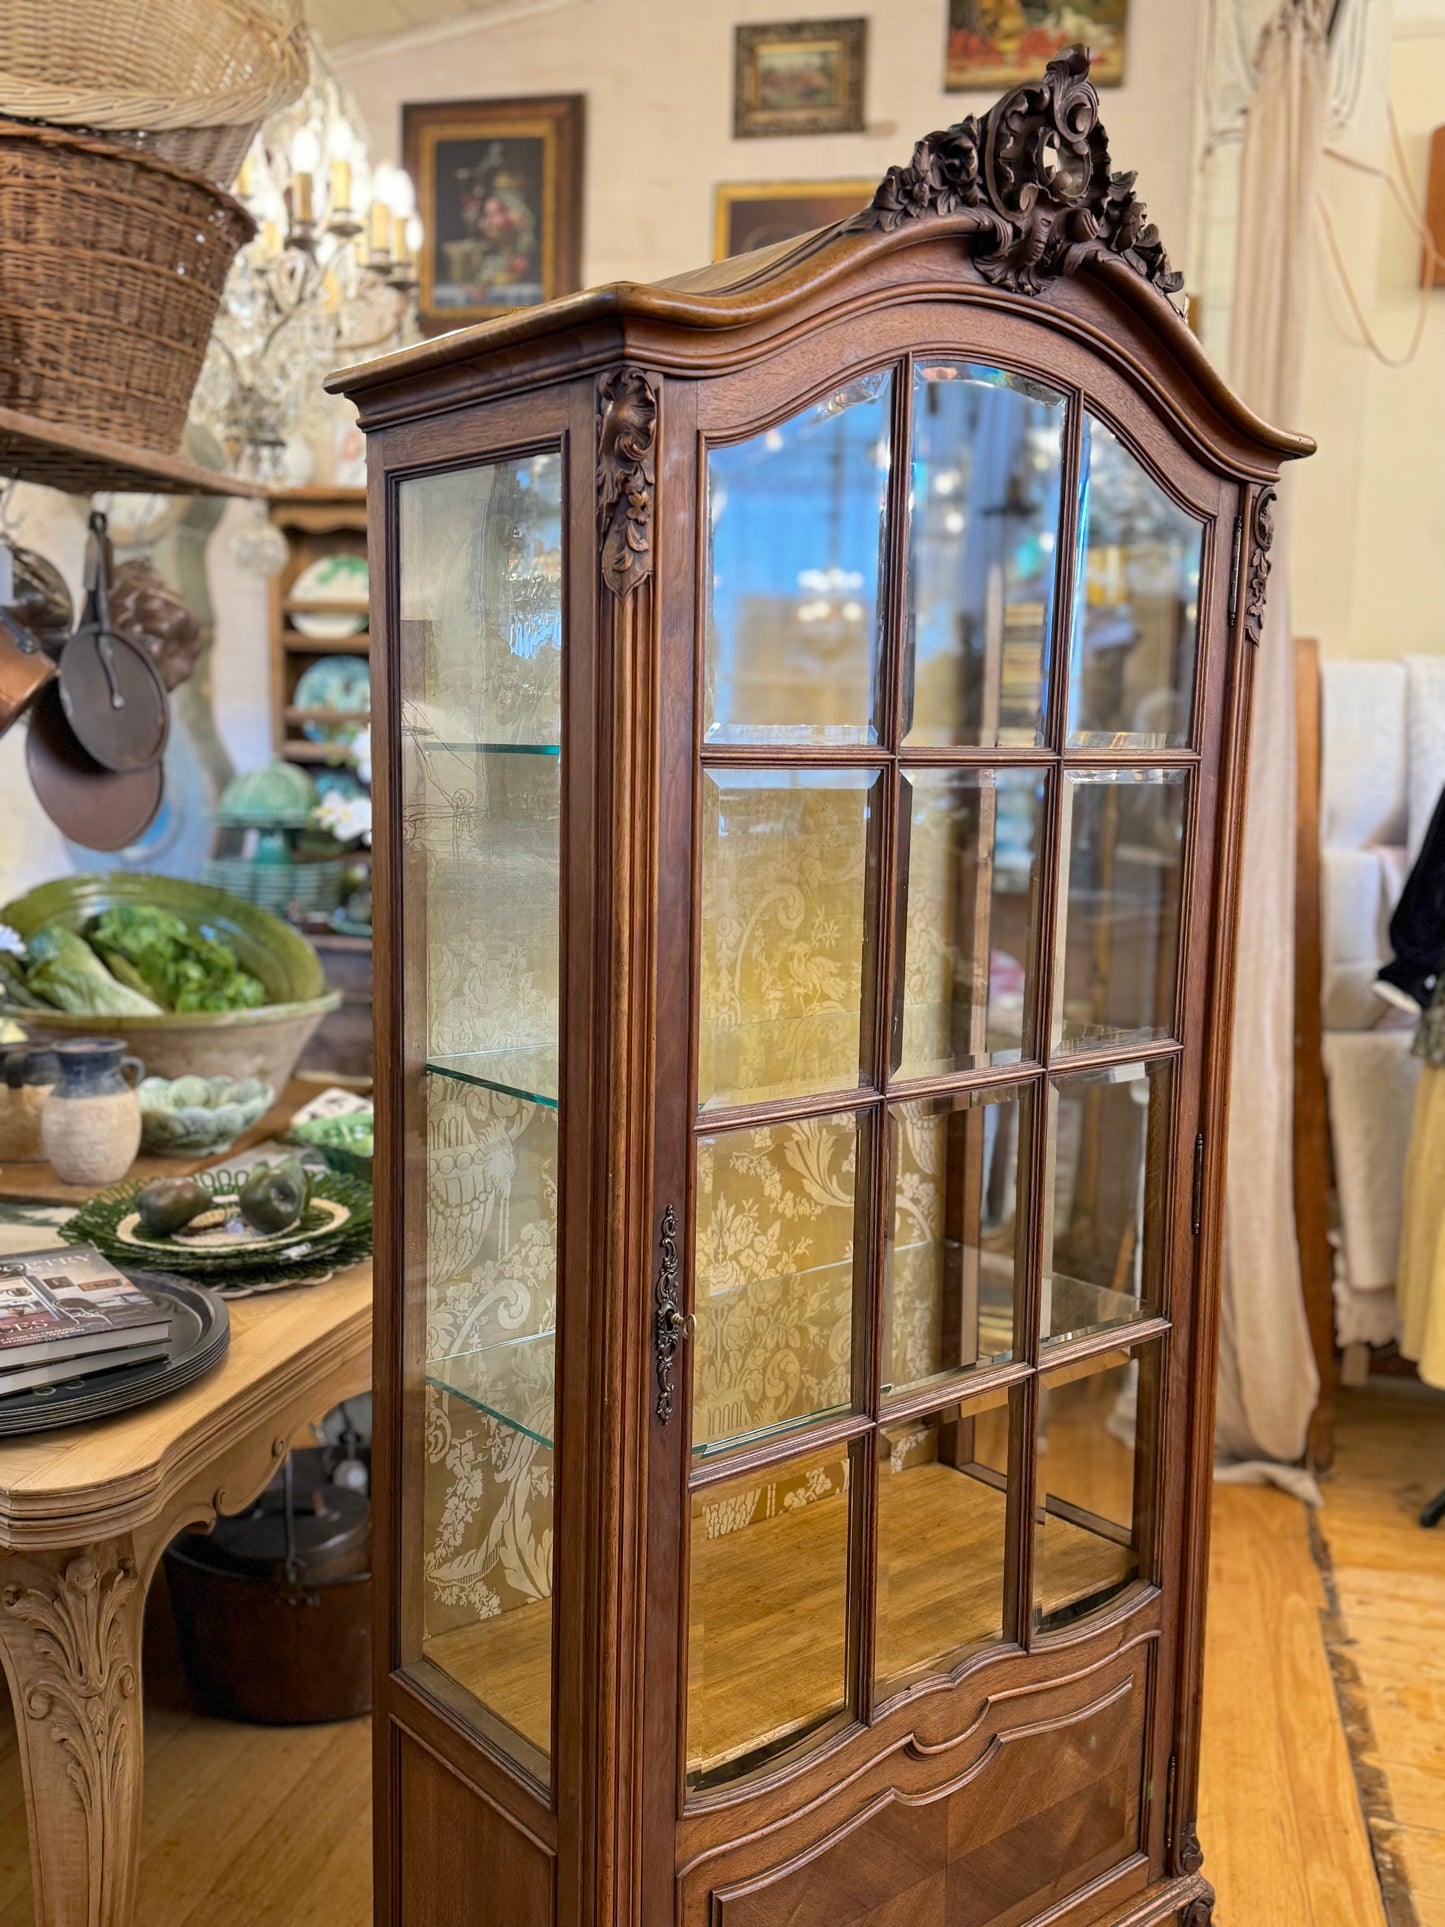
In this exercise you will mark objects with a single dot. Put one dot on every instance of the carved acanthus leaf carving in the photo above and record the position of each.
(1261, 535)
(1200, 1911)
(1034, 180)
(81, 1676)
(626, 441)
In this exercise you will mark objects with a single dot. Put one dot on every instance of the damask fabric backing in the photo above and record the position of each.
(1268, 1383)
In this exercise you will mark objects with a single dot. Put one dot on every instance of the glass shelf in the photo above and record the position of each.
(432, 744)
(513, 1381)
(528, 1074)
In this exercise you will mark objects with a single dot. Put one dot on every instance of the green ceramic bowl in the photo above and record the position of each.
(263, 1043)
(194, 1117)
(345, 1142)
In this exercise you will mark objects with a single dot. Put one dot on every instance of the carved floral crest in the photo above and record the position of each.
(1035, 179)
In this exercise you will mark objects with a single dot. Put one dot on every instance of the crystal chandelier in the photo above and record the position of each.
(328, 280)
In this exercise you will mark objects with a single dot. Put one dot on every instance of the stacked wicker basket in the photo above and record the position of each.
(122, 129)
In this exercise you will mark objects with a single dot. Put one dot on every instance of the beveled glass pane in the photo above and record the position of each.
(480, 598)
(787, 931)
(773, 1277)
(797, 520)
(942, 1512)
(955, 1234)
(1105, 1192)
(1123, 832)
(983, 530)
(968, 872)
(1095, 1448)
(1136, 605)
(767, 1648)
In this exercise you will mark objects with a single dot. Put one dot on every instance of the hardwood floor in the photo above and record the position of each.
(270, 1827)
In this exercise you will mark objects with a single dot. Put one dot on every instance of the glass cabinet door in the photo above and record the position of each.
(481, 655)
(943, 825)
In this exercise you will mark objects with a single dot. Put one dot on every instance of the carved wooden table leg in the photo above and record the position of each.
(70, 1639)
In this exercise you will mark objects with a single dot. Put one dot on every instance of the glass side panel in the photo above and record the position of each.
(1123, 835)
(797, 521)
(1136, 604)
(968, 874)
(955, 1234)
(1095, 1444)
(480, 601)
(767, 1650)
(984, 520)
(1105, 1192)
(788, 869)
(773, 1278)
(942, 1512)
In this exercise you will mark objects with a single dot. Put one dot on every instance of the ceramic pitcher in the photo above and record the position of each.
(91, 1121)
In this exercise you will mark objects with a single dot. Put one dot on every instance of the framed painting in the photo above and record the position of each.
(1001, 43)
(755, 214)
(499, 191)
(799, 77)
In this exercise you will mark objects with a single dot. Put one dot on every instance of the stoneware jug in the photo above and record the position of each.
(91, 1121)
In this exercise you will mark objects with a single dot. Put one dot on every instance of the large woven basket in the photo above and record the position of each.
(112, 263)
(193, 79)
(150, 63)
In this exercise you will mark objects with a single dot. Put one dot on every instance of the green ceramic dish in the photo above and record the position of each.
(262, 1043)
(192, 1117)
(345, 1142)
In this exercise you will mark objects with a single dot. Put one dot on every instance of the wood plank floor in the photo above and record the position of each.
(270, 1827)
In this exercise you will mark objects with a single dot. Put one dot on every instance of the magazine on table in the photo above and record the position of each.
(68, 1306)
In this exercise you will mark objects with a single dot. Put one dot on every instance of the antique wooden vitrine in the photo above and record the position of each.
(809, 748)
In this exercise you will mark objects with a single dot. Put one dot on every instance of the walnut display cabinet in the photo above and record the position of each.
(811, 708)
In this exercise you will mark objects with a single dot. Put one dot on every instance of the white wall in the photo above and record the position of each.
(658, 79)
(1367, 573)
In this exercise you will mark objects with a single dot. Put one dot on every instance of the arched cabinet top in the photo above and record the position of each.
(1017, 213)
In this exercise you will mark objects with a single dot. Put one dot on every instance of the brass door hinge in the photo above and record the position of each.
(1236, 566)
(1196, 1211)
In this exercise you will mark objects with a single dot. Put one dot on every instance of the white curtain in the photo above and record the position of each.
(1268, 1383)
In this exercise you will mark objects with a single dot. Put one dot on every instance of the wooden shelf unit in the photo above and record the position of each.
(315, 522)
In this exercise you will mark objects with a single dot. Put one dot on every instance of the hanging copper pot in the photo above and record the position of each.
(92, 805)
(111, 691)
(25, 669)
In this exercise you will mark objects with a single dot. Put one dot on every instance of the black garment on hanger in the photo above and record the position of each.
(1417, 929)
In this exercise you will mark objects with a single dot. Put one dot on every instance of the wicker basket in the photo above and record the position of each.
(112, 263)
(151, 63)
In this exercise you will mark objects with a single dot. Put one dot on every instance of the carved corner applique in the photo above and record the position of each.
(626, 476)
(1261, 536)
(1035, 180)
(1199, 1912)
(1191, 1854)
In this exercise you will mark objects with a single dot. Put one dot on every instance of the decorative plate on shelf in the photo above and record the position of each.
(332, 579)
(342, 683)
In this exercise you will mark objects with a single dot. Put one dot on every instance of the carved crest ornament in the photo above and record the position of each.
(626, 440)
(1035, 184)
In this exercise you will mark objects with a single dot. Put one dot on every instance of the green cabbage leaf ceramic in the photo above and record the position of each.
(195, 1116)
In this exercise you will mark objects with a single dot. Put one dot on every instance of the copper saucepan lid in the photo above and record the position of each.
(101, 808)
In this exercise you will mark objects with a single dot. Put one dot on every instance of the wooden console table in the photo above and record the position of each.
(85, 1514)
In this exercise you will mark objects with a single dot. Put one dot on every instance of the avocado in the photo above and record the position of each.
(274, 1196)
(170, 1203)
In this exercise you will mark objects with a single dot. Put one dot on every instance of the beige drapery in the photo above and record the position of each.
(1268, 1383)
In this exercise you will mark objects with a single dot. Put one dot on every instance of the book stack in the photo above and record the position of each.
(67, 1314)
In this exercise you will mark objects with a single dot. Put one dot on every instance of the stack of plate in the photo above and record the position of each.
(220, 1249)
(200, 1334)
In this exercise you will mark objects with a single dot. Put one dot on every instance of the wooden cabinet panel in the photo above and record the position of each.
(458, 1853)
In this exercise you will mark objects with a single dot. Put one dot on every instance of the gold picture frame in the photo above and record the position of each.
(499, 191)
(994, 44)
(799, 77)
(757, 214)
